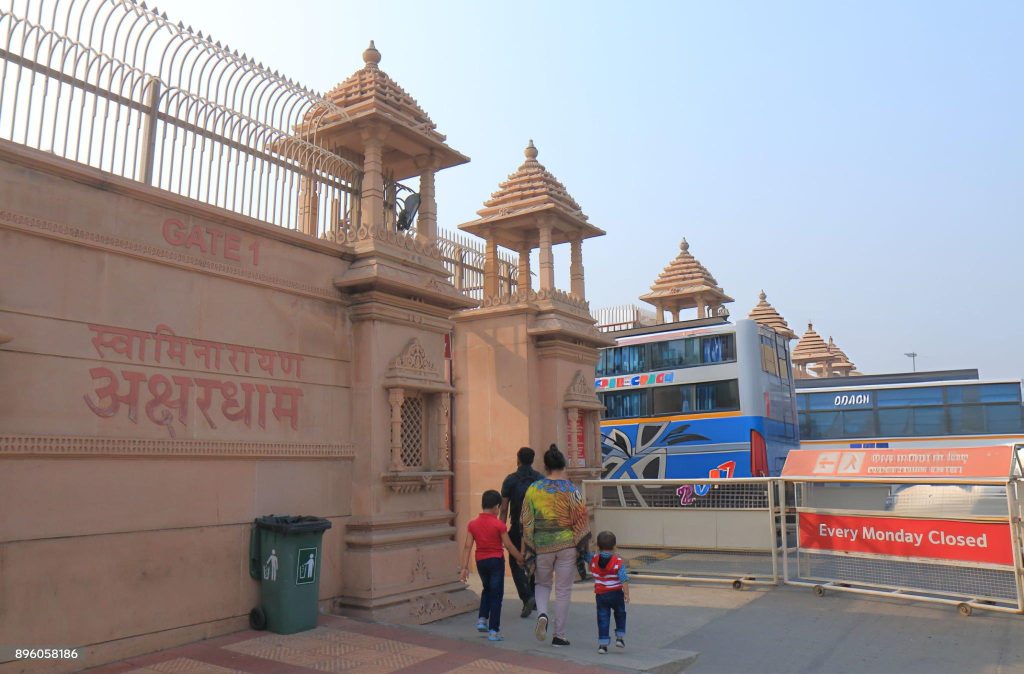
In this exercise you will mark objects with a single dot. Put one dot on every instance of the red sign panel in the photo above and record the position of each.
(576, 445)
(937, 462)
(980, 542)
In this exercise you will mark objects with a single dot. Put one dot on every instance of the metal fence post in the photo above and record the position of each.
(148, 152)
(773, 523)
(1013, 508)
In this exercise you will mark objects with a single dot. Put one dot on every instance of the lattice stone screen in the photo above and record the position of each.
(412, 432)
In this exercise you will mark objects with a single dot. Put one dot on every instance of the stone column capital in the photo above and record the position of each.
(425, 162)
(370, 131)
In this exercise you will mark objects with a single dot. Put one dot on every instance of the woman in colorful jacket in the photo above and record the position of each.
(555, 524)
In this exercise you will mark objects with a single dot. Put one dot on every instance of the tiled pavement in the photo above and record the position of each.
(342, 645)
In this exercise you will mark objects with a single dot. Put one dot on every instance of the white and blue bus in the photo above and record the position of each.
(696, 399)
(951, 408)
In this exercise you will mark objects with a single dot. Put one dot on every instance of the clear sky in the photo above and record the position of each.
(862, 162)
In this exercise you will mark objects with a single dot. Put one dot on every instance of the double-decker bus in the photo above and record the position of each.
(952, 408)
(696, 399)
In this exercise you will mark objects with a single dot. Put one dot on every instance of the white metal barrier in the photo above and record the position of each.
(927, 525)
(721, 530)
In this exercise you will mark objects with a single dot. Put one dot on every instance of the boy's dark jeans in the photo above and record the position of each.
(524, 581)
(608, 603)
(492, 575)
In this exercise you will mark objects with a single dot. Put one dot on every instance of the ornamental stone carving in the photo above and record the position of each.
(414, 358)
(580, 394)
(412, 369)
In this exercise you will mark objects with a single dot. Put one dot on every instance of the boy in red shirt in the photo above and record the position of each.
(490, 535)
(611, 591)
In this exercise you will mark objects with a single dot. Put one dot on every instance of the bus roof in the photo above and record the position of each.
(892, 378)
(925, 384)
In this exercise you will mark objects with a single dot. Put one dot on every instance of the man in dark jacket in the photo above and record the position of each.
(513, 491)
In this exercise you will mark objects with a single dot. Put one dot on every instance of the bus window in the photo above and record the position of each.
(858, 424)
(900, 397)
(717, 396)
(894, 422)
(621, 360)
(718, 349)
(624, 404)
(769, 363)
(1004, 418)
(675, 353)
(672, 399)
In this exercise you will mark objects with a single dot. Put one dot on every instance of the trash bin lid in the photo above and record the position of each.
(293, 524)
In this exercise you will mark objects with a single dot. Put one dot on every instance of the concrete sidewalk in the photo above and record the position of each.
(672, 627)
(713, 629)
(656, 616)
(341, 645)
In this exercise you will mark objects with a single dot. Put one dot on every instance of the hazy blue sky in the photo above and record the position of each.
(862, 162)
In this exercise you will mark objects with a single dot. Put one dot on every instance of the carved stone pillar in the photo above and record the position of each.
(675, 315)
(395, 397)
(372, 195)
(309, 202)
(491, 268)
(426, 226)
(525, 283)
(439, 460)
(576, 284)
(547, 263)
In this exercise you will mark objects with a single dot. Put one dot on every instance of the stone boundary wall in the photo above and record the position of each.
(173, 371)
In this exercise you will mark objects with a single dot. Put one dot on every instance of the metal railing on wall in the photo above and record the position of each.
(463, 256)
(623, 317)
(117, 86)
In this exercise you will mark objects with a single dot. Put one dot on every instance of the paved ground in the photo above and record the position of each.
(713, 629)
(699, 629)
(341, 645)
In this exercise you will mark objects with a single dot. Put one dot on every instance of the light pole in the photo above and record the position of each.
(913, 359)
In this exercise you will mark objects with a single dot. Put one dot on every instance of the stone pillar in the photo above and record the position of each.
(525, 283)
(701, 307)
(576, 268)
(438, 461)
(372, 195)
(675, 315)
(309, 203)
(547, 262)
(490, 268)
(426, 226)
(395, 397)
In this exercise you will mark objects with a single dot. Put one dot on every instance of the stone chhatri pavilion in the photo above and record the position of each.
(539, 347)
(686, 284)
(765, 314)
(841, 366)
(532, 209)
(813, 357)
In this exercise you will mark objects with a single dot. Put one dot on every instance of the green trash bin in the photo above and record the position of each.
(285, 556)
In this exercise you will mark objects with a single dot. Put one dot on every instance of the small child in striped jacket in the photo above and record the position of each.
(611, 591)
